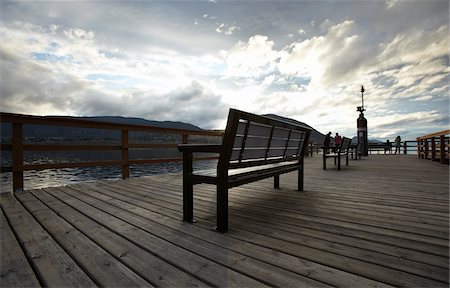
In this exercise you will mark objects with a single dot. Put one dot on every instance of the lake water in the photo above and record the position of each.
(66, 176)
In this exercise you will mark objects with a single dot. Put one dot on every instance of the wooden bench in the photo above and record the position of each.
(253, 148)
(380, 147)
(356, 150)
(341, 151)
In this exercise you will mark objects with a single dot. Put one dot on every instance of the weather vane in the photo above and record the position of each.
(361, 108)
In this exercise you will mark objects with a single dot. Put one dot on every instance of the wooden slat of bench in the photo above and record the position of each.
(329, 155)
(104, 269)
(148, 266)
(205, 269)
(14, 267)
(237, 172)
(54, 266)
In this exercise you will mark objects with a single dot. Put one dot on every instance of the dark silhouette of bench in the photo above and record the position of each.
(253, 148)
(338, 153)
(381, 146)
(356, 150)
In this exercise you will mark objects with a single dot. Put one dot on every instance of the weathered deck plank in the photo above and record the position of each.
(14, 267)
(208, 270)
(54, 267)
(103, 268)
(144, 263)
(377, 223)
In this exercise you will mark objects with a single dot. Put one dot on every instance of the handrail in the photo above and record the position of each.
(18, 146)
(434, 146)
(437, 134)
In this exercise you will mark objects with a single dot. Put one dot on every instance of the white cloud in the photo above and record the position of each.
(250, 59)
(390, 3)
(227, 30)
(329, 59)
(423, 98)
(79, 35)
(415, 46)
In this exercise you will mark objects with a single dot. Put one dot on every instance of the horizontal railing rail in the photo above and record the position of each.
(434, 146)
(18, 145)
(407, 145)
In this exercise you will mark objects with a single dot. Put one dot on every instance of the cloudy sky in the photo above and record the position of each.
(192, 60)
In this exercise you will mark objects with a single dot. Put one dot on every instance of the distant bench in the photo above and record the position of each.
(253, 148)
(338, 153)
(356, 150)
(384, 147)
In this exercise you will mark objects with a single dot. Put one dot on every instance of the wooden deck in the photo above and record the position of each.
(382, 221)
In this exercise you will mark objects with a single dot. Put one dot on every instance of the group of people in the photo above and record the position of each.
(397, 143)
(327, 140)
(338, 141)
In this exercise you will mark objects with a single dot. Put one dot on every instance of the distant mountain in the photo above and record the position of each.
(374, 141)
(43, 131)
(316, 136)
(141, 121)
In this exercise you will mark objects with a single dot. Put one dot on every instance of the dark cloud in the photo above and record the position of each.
(192, 104)
(26, 85)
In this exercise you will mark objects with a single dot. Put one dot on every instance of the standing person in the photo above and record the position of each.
(337, 140)
(398, 140)
(326, 142)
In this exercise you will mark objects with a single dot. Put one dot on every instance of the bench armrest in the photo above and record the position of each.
(211, 148)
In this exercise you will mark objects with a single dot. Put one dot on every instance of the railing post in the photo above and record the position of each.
(419, 148)
(185, 138)
(125, 155)
(443, 148)
(405, 147)
(433, 149)
(17, 156)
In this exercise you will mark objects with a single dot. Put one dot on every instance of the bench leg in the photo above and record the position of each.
(301, 175)
(346, 160)
(339, 162)
(276, 181)
(222, 208)
(324, 163)
(188, 203)
(188, 194)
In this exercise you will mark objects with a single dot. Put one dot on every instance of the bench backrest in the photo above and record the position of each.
(345, 145)
(253, 140)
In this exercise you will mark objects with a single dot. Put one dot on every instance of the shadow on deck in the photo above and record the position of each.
(382, 221)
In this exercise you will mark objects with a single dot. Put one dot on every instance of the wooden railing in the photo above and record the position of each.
(17, 145)
(409, 144)
(434, 146)
(380, 147)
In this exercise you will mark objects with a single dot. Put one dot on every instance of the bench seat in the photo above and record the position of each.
(341, 151)
(236, 176)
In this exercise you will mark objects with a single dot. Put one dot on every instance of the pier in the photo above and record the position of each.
(381, 221)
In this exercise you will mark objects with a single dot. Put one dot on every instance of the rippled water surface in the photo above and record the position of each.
(66, 176)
